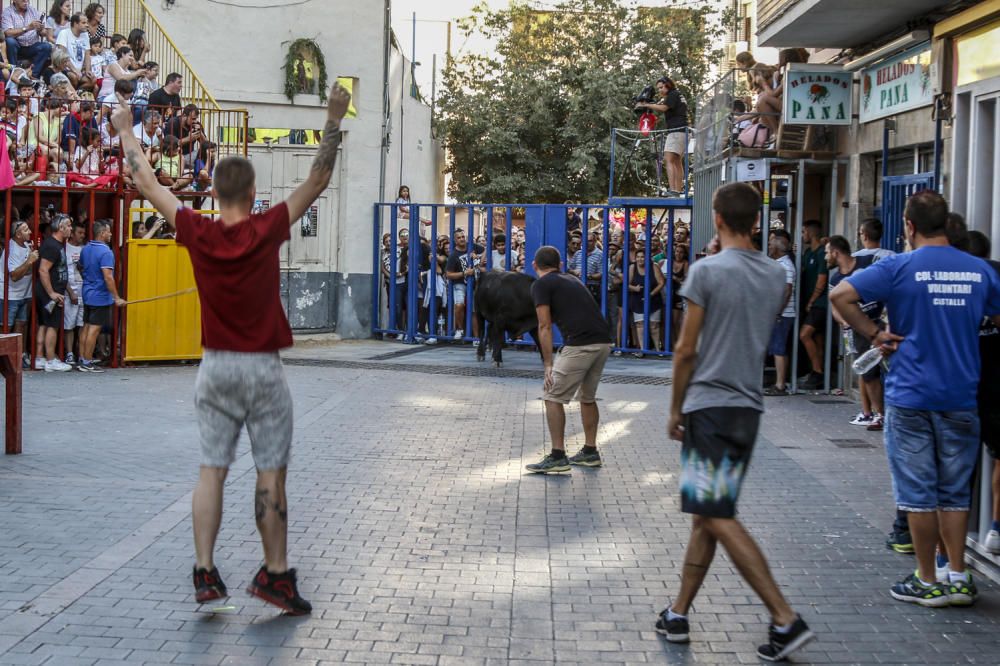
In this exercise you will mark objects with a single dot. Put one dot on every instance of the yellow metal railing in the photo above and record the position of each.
(130, 14)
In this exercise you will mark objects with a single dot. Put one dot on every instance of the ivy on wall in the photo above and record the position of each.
(305, 70)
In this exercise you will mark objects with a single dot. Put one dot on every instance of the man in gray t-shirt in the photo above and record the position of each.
(732, 300)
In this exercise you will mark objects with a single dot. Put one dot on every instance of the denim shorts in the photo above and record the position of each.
(778, 346)
(17, 310)
(932, 456)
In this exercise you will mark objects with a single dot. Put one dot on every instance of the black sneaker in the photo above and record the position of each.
(549, 465)
(279, 590)
(676, 630)
(911, 590)
(208, 585)
(585, 459)
(779, 645)
(900, 541)
(813, 382)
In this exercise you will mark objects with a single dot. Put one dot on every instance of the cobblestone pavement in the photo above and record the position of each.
(419, 539)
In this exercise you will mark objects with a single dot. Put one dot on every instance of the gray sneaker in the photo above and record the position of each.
(549, 465)
(586, 459)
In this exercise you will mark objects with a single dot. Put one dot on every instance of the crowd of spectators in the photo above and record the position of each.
(62, 73)
(455, 263)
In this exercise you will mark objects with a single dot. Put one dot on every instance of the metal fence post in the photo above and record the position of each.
(376, 267)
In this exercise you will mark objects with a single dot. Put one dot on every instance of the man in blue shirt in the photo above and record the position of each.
(97, 266)
(936, 296)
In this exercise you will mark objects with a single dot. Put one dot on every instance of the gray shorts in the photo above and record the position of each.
(236, 388)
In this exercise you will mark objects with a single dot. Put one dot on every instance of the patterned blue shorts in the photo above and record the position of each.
(718, 442)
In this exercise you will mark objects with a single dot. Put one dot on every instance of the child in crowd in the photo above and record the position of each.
(171, 173)
(144, 85)
(204, 166)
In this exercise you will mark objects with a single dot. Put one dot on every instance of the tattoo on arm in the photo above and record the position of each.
(326, 156)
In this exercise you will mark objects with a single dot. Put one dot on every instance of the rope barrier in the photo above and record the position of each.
(182, 292)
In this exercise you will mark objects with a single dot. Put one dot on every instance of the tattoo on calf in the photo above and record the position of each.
(262, 503)
(326, 156)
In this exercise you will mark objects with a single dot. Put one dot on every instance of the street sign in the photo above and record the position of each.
(898, 84)
(817, 95)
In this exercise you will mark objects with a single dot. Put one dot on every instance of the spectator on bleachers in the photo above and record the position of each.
(144, 86)
(592, 264)
(168, 98)
(186, 128)
(98, 58)
(204, 166)
(57, 19)
(73, 127)
(172, 172)
(24, 29)
(118, 70)
(88, 159)
(19, 260)
(638, 299)
(26, 91)
(76, 42)
(150, 135)
(140, 49)
(95, 20)
(63, 91)
(48, 126)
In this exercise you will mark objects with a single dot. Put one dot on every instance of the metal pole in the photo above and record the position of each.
(376, 267)
(611, 182)
(413, 274)
(669, 286)
(394, 267)
(384, 138)
(626, 316)
(432, 304)
(937, 147)
(829, 315)
(647, 325)
(470, 242)
(800, 187)
(450, 313)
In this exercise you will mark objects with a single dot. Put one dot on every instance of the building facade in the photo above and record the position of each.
(239, 50)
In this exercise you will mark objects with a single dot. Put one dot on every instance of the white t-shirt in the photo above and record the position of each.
(499, 260)
(145, 139)
(107, 140)
(97, 63)
(72, 261)
(19, 289)
(91, 166)
(50, 23)
(789, 267)
(76, 46)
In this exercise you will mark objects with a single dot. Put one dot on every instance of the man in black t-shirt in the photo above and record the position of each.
(675, 115)
(458, 269)
(167, 99)
(53, 283)
(564, 300)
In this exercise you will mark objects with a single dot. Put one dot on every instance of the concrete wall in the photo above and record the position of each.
(327, 277)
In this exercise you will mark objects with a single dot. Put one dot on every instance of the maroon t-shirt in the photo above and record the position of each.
(237, 270)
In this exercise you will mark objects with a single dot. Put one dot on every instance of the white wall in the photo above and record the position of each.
(239, 53)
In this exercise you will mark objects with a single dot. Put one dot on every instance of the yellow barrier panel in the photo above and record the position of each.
(167, 329)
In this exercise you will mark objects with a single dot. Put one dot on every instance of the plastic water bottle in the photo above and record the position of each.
(867, 361)
(849, 342)
(441, 325)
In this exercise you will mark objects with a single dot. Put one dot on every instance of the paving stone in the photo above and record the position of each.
(419, 539)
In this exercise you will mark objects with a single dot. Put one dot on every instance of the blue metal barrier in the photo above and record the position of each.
(417, 294)
(895, 191)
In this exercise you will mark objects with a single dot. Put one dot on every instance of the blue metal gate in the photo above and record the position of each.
(895, 191)
(429, 308)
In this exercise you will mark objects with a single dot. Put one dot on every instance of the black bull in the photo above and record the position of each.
(504, 301)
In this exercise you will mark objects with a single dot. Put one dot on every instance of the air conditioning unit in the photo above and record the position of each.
(731, 52)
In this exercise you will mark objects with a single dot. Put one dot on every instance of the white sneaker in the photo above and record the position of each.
(459, 334)
(993, 542)
(55, 365)
(431, 341)
(39, 363)
(941, 573)
(862, 419)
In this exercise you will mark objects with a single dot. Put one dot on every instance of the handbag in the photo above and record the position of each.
(755, 136)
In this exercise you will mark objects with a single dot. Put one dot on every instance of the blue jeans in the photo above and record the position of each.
(17, 310)
(38, 53)
(932, 456)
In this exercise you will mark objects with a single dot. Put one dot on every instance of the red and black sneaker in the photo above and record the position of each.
(208, 585)
(279, 590)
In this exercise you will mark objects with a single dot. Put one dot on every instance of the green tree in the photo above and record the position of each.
(532, 121)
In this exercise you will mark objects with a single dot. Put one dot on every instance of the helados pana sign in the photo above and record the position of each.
(817, 95)
(898, 84)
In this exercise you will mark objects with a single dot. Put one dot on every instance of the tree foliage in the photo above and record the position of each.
(531, 122)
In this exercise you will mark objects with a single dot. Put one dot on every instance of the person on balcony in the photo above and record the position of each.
(24, 31)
